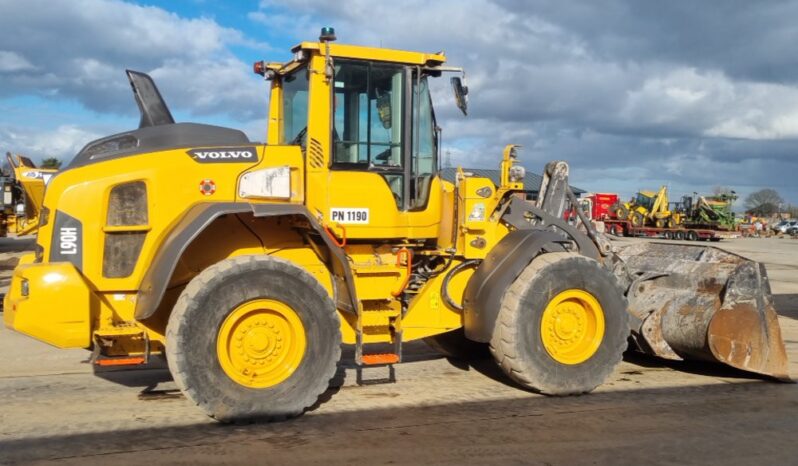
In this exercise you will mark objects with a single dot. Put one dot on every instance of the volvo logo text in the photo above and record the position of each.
(224, 154)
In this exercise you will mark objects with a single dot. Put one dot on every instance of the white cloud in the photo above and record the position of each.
(62, 142)
(80, 49)
(12, 61)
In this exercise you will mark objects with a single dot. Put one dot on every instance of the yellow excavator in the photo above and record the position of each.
(247, 265)
(648, 208)
(23, 194)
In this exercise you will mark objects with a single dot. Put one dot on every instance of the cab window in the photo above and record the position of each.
(368, 102)
(424, 144)
(295, 107)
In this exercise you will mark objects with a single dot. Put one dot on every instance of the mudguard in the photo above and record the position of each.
(156, 279)
(483, 294)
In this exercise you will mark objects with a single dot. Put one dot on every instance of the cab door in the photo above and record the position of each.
(378, 181)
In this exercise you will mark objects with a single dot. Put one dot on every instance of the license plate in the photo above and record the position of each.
(346, 215)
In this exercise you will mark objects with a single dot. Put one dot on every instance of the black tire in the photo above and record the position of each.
(668, 235)
(691, 235)
(679, 235)
(455, 345)
(621, 212)
(638, 219)
(517, 344)
(192, 332)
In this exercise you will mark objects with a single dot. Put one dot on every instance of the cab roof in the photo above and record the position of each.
(374, 53)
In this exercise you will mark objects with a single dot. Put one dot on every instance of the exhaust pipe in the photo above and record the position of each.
(702, 303)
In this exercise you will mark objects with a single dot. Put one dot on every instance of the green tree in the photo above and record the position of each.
(51, 162)
(764, 202)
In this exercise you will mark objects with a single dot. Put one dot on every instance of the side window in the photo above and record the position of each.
(369, 116)
(424, 143)
(295, 107)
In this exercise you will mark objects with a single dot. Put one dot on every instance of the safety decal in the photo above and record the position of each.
(207, 187)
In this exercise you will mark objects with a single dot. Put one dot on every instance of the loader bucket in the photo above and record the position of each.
(699, 302)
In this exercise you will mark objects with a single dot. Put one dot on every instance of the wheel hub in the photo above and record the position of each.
(261, 343)
(572, 326)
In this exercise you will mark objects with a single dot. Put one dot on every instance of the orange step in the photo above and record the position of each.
(379, 359)
(132, 361)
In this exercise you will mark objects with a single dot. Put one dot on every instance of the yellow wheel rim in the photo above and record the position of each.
(572, 326)
(261, 343)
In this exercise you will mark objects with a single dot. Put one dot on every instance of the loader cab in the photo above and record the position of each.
(364, 120)
(645, 199)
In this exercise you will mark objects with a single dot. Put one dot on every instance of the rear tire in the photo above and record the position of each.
(455, 345)
(691, 235)
(668, 235)
(526, 355)
(621, 212)
(679, 235)
(282, 316)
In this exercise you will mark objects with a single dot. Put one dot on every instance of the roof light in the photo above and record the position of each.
(327, 34)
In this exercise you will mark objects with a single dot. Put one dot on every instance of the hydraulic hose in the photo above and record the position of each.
(445, 285)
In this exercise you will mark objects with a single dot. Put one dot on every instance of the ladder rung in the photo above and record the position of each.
(379, 359)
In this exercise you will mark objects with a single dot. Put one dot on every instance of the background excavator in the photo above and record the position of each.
(247, 265)
(648, 208)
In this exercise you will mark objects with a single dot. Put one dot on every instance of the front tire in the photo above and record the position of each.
(253, 338)
(563, 325)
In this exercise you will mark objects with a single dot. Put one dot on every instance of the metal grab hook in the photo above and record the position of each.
(334, 238)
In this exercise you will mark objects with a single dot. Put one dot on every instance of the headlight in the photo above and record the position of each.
(24, 287)
(274, 183)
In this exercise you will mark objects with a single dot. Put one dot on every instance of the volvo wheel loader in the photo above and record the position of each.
(247, 265)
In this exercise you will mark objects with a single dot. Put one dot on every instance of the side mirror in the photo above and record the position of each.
(460, 94)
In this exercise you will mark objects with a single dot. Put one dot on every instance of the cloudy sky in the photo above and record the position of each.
(634, 94)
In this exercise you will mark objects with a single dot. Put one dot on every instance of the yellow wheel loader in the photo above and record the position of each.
(247, 265)
(648, 208)
(24, 195)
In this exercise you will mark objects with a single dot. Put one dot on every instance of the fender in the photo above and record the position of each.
(485, 289)
(156, 279)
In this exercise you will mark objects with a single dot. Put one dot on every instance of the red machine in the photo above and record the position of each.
(597, 205)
